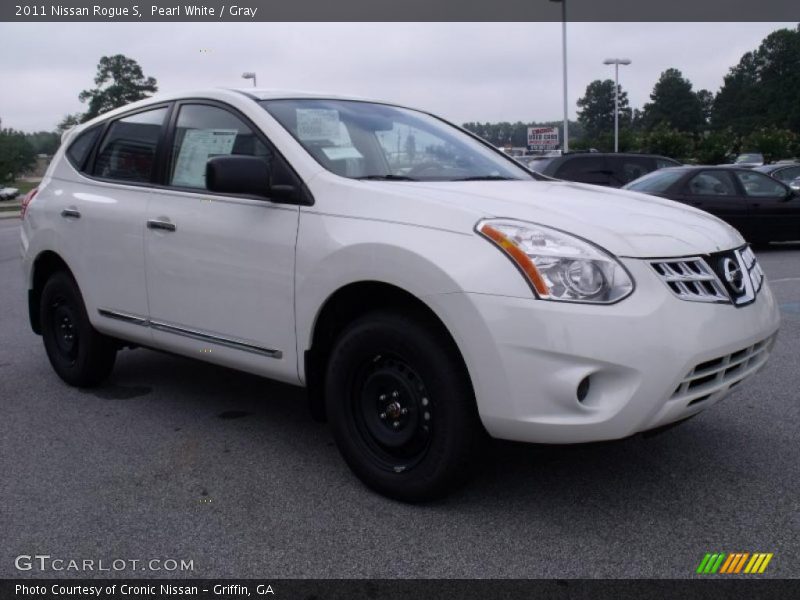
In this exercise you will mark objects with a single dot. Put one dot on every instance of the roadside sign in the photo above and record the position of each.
(542, 139)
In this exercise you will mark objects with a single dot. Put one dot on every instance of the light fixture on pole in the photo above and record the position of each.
(616, 62)
(250, 75)
(565, 144)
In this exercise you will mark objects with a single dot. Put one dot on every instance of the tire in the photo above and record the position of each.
(80, 355)
(401, 407)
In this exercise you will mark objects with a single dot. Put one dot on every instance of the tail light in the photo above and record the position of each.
(26, 201)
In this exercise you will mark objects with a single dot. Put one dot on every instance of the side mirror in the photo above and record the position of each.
(233, 174)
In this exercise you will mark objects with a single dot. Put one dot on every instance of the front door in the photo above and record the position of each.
(220, 268)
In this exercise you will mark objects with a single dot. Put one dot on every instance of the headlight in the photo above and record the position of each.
(557, 265)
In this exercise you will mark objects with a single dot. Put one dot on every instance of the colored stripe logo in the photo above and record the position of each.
(737, 562)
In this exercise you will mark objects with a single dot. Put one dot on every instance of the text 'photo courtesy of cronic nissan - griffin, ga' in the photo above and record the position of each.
(425, 307)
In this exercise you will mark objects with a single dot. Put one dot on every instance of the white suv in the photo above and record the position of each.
(425, 287)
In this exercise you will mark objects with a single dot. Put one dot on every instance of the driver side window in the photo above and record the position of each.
(757, 184)
(203, 132)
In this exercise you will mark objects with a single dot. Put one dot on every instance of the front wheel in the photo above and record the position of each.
(80, 355)
(401, 406)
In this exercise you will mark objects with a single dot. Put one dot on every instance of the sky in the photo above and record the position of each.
(461, 71)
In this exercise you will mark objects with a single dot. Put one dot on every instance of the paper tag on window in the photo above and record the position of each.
(318, 124)
(197, 147)
(342, 152)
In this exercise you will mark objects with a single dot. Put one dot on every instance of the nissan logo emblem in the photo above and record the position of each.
(733, 275)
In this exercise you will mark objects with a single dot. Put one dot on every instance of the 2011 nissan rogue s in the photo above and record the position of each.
(424, 287)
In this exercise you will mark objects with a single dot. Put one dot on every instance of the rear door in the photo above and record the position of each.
(111, 203)
(220, 268)
(774, 212)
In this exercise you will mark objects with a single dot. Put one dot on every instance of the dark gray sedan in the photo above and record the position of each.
(763, 209)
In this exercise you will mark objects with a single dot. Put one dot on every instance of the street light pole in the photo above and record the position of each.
(616, 62)
(250, 75)
(565, 144)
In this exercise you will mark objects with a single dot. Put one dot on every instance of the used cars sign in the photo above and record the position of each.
(541, 139)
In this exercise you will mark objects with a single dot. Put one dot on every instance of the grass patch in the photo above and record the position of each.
(23, 186)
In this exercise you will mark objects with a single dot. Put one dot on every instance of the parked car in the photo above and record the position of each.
(285, 235)
(749, 160)
(760, 207)
(608, 169)
(782, 171)
(795, 184)
(8, 193)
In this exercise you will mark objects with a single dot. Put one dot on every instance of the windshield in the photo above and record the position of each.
(656, 182)
(748, 158)
(363, 140)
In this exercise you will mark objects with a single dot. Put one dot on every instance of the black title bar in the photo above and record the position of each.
(397, 10)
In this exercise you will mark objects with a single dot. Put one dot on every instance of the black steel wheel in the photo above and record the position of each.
(79, 354)
(401, 406)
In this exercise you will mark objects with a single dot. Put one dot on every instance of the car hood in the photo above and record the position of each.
(623, 222)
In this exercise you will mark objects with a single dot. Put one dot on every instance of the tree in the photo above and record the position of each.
(772, 142)
(716, 147)
(44, 142)
(762, 90)
(674, 104)
(68, 122)
(668, 142)
(16, 155)
(119, 81)
(596, 113)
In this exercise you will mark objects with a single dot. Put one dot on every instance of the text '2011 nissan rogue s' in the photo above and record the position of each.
(422, 285)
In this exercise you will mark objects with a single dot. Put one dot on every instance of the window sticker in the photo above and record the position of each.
(318, 124)
(197, 147)
(342, 152)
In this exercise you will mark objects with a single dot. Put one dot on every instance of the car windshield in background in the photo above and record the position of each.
(749, 158)
(656, 182)
(538, 164)
(363, 140)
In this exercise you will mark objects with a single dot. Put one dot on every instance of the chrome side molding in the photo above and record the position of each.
(191, 333)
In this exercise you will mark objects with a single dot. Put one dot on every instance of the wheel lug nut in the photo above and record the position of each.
(424, 402)
(404, 411)
(396, 424)
(382, 397)
(427, 416)
(383, 415)
(395, 394)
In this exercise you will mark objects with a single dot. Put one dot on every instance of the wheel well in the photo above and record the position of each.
(342, 308)
(44, 266)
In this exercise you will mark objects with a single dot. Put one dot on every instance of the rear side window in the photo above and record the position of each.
(586, 169)
(656, 182)
(128, 150)
(712, 183)
(79, 149)
(628, 168)
(664, 163)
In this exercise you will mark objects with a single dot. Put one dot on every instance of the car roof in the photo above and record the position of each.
(219, 93)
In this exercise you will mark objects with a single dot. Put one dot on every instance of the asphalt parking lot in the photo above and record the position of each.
(175, 459)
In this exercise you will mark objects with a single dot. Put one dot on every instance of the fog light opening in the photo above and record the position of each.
(583, 389)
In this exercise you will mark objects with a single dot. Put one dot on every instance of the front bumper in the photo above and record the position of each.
(651, 359)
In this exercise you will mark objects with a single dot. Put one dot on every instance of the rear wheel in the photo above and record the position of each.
(401, 407)
(80, 355)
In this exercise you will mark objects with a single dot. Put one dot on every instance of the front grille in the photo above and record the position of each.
(733, 276)
(691, 279)
(721, 373)
(753, 268)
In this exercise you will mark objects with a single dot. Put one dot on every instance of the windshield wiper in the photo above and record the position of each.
(388, 177)
(486, 178)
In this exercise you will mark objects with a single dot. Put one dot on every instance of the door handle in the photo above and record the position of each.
(71, 213)
(161, 225)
